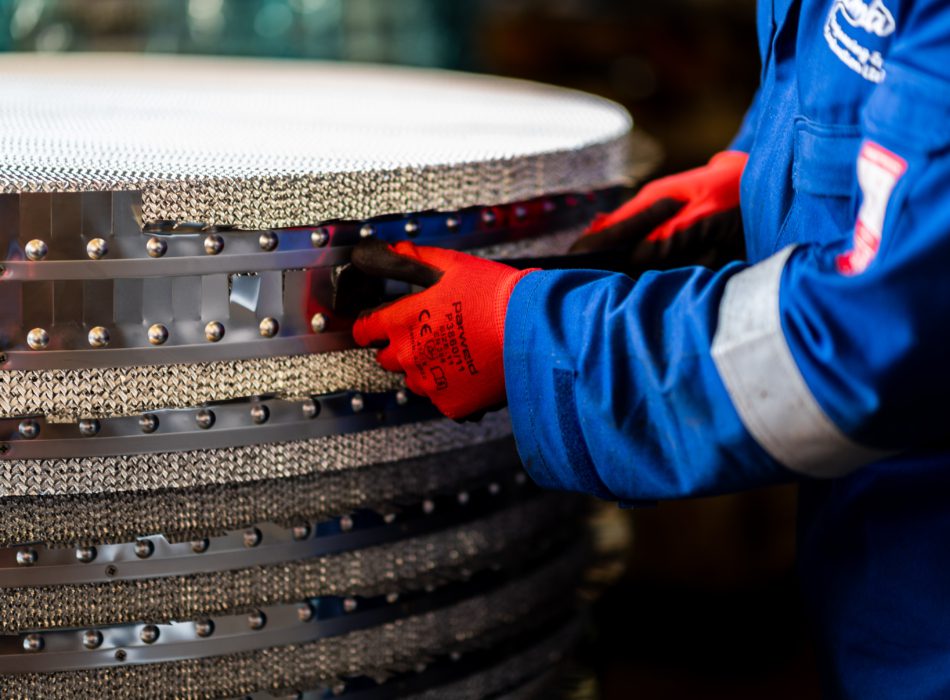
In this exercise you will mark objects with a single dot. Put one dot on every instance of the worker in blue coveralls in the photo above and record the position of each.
(804, 336)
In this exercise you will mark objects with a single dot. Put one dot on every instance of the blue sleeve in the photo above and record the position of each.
(745, 137)
(612, 390)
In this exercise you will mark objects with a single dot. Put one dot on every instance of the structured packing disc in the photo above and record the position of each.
(205, 489)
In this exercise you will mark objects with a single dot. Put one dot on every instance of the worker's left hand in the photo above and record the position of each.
(448, 338)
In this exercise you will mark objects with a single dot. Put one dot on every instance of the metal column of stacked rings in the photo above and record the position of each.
(205, 489)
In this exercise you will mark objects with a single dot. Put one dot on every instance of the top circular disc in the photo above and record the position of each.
(259, 144)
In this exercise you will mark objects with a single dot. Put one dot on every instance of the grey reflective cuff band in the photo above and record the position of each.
(767, 389)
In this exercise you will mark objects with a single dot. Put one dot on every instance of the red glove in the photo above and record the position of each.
(448, 338)
(691, 218)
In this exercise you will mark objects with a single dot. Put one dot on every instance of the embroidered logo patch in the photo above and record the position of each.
(878, 173)
(857, 41)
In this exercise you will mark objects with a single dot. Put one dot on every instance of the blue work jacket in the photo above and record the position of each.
(825, 357)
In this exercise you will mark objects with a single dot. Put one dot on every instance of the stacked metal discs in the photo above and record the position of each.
(205, 490)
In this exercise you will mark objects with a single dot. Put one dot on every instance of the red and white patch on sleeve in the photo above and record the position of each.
(878, 173)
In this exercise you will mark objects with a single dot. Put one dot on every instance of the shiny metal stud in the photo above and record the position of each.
(252, 537)
(402, 397)
(346, 523)
(268, 241)
(89, 427)
(520, 212)
(548, 206)
(98, 336)
(389, 518)
(204, 628)
(318, 323)
(521, 479)
(357, 403)
(452, 223)
(269, 327)
(157, 334)
(305, 612)
(92, 639)
(256, 620)
(37, 339)
(310, 408)
(26, 557)
(156, 247)
(28, 429)
(214, 244)
(148, 423)
(463, 498)
(319, 237)
(411, 228)
(33, 642)
(97, 249)
(85, 554)
(488, 217)
(260, 413)
(494, 488)
(350, 605)
(144, 548)
(428, 506)
(367, 231)
(149, 634)
(214, 332)
(36, 250)
(200, 546)
(300, 532)
(392, 598)
(204, 418)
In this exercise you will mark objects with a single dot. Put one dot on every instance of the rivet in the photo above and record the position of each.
(36, 250)
(349, 605)
(111, 570)
(305, 612)
(156, 247)
(144, 548)
(98, 337)
(269, 327)
(548, 206)
(256, 620)
(428, 506)
(411, 228)
(346, 523)
(392, 598)
(89, 427)
(204, 628)
(488, 216)
(149, 634)
(319, 237)
(389, 518)
(120, 654)
(148, 423)
(37, 339)
(29, 429)
(463, 498)
(520, 212)
(32, 642)
(419, 667)
(452, 223)
(26, 557)
(157, 334)
(357, 403)
(402, 397)
(318, 322)
(85, 554)
(204, 418)
(338, 689)
(200, 546)
(367, 231)
(252, 537)
(571, 201)
(455, 656)
(214, 244)
(260, 413)
(494, 488)
(300, 531)
(310, 408)
(97, 248)
(268, 241)
(92, 639)
(214, 332)
(3, 358)
(520, 479)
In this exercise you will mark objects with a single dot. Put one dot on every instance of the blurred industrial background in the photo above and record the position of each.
(708, 606)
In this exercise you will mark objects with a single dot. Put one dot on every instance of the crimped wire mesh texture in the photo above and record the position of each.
(259, 144)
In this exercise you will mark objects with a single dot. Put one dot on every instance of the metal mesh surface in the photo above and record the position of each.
(260, 144)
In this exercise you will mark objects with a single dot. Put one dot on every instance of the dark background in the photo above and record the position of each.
(708, 607)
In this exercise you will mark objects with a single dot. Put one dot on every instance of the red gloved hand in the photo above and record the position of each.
(448, 338)
(691, 218)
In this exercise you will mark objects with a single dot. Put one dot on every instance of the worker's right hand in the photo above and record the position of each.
(690, 218)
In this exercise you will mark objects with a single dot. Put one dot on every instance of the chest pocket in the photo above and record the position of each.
(824, 183)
